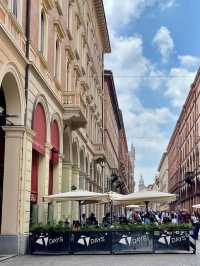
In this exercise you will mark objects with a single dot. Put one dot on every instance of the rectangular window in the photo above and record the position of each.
(14, 7)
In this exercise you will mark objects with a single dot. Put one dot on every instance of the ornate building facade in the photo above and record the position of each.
(183, 152)
(51, 98)
(111, 130)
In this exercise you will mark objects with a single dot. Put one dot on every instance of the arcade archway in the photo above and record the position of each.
(11, 114)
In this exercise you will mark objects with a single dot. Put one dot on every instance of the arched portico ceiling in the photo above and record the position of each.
(11, 84)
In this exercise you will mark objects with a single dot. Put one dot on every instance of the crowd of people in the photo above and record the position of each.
(141, 217)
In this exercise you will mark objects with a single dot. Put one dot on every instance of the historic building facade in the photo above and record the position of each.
(118, 166)
(183, 152)
(111, 131)
(125, 168)
(163, 173)
(132, 167)
(51, 98)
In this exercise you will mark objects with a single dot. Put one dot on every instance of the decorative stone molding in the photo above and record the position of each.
(49, 4)
(60, 29)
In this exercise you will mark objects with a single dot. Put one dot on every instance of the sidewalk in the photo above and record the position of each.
(108, 260)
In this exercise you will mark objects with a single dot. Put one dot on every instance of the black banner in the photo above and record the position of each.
(114, 241)
(171, 240)
(49, 242)
(91, 241)
(135, 241)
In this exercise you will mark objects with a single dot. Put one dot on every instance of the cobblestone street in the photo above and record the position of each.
(108, 260)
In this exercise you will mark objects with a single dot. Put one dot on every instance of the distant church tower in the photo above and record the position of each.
(141, 185)
(132, 159)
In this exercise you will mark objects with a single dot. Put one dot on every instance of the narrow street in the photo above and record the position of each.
(108, 260)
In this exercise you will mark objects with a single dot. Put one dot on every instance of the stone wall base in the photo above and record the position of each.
(13, 244)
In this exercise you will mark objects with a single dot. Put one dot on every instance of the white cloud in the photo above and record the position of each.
(127, 61)
(164, 43)
(143, 125)
(189, 61)
(166, 4)
(121, 13)
(178, 85)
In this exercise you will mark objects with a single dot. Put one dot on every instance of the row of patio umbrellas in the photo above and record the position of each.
(87, 197)
(94, 197)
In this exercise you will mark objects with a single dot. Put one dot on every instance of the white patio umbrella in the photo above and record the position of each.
(81, 196)
(196, 206)
(111, 196)
(76, 195)
(146, 197)
(133, 206)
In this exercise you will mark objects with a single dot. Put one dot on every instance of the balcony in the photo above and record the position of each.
(189, 176)
(99, 153)
(74, 110)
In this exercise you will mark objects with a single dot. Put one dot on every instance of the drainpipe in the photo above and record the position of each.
(27, 33)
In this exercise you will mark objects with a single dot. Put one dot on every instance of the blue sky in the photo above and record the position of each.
(155, 56)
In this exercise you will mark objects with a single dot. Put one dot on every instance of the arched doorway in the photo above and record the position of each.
(2, 146)
(38, 151)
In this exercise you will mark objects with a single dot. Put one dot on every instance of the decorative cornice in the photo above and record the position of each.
(102, 24)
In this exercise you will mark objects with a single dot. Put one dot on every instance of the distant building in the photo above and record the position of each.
(141, 186)
(163, 173)
(132, 161)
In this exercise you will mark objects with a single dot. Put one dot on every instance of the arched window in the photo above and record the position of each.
(42, 33)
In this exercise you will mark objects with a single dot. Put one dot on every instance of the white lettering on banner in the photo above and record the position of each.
(178, 239)
(139, 240)
(86, 241)
(97, 240)
(56, 240)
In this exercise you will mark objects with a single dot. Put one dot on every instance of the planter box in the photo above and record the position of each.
(52, 242)
(124, 241)
(132, 242)
(173, 241)
(91, 241)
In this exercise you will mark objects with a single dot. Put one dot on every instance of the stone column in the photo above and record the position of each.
(66, 186)
(57, 188)
(43, 184)
(25, 189)
(13, 175)
(75, 182)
